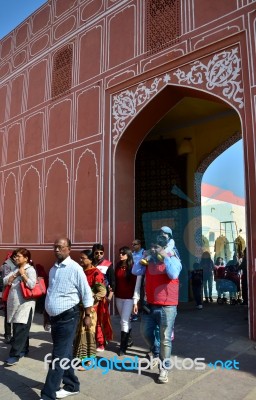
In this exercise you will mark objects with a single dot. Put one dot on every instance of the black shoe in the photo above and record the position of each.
(121, 352)
(8, 339)
(130, 341)
(123, 343)
(211, 300)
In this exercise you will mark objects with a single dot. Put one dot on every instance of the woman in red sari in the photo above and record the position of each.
(85, 340)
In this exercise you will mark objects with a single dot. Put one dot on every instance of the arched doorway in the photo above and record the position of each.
(154, 178)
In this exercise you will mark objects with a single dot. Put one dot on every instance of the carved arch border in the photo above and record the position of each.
(218, 73)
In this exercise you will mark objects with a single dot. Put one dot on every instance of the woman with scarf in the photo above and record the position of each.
(20, 311)
(85, 340)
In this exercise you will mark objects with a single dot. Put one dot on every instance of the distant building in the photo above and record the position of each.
(223, 213)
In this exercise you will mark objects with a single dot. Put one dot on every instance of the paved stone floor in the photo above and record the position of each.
(215, 333)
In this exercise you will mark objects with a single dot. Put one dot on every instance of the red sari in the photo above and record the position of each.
(85, 340)
(104, 331)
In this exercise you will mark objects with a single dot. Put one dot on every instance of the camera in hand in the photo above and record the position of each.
(152, 253)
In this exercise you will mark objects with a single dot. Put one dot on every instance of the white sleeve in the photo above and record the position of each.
(136, 294)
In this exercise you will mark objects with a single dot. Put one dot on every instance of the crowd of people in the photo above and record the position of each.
(76, 305)
(230, 279)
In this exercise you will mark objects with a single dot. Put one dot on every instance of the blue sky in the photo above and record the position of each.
(13, 12)
(227, 171)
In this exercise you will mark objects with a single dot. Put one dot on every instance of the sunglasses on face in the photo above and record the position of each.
(97, 253)
(135, 244)
(122, 253)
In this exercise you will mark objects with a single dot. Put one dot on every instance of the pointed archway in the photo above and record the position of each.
(150, 161)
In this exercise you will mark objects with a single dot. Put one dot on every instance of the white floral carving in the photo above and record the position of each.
(221, 71)
(125, 104)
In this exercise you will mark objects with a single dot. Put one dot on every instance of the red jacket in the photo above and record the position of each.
(160, 289)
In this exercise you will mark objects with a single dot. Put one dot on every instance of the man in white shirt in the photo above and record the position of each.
(68, 287)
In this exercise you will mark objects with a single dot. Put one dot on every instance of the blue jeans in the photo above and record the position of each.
(162, 318)
(207, 283)
(63, 331)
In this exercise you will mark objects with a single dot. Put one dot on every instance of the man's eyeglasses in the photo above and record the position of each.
(98, 253)
(56, 247)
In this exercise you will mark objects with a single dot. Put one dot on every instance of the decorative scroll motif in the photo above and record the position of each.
(62, 71)
(162, 24)
(125, 104)
(222, 71)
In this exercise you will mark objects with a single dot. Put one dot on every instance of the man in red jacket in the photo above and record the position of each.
(162, 291)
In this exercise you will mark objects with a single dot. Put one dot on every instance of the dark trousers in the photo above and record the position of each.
(20, 339)
(197, 293)
(63, 330)
(7, 325)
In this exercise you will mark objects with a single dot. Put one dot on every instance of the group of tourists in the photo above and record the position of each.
(230, 277)
(77, 309)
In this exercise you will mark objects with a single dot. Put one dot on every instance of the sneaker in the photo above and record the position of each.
(62, 393)
(12, 361)
(199, 307)
(100, 348)
(163, 376)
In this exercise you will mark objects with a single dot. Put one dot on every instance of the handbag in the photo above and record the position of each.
(5, 293)
(38, 290)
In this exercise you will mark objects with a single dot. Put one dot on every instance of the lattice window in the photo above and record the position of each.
(162, 24)
(157, 170)
(62, 71)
